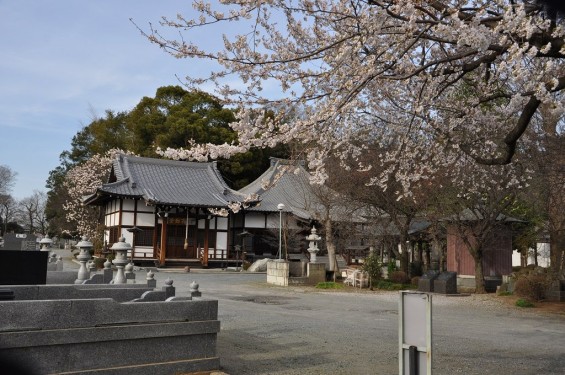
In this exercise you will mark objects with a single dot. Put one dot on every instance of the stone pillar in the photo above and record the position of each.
(107, 272)
(84, 256)
(130, 275)
(169, 289)
(194, 290)
(151, 282)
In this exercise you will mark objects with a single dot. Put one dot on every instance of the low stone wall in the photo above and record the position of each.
(466, 284)
(61, 277)
(277, 272)
(103, 336)
(117, 292)
(297, 269)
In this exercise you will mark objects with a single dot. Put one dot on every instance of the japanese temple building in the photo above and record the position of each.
(164, 208)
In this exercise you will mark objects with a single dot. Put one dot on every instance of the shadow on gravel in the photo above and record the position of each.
(243, 353)
(265, 300)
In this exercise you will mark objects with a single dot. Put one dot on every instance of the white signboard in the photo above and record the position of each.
(415, 333)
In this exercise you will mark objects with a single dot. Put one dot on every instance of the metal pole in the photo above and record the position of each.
(280, 207)
(280, 234)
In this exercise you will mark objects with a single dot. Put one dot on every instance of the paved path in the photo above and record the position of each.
(276, 330)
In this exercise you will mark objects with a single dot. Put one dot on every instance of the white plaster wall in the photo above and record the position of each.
(141, 207)
(115, 219)
(255, 220)
(128, 236)
(288, 221)
(127, 218)
(145, 220)
(143, 252)
(223, 223)
(543, 255)
(221, 240)
(515, 259)
(128, 205)
(112, 220)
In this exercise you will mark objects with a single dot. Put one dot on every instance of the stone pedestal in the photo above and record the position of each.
(446, 283)
(277, 272)
(316, 273)
(426, 282)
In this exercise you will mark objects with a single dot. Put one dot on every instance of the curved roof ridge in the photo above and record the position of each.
(170, 182)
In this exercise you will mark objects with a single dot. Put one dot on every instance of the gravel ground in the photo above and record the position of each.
(302, 330)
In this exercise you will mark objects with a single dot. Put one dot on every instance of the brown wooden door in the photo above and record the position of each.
(176, 235)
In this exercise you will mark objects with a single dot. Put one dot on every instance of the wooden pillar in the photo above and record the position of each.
(206, 233)
(134, 225)
(163, 253)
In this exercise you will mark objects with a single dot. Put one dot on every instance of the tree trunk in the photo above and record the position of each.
(330, 246)
(479, 274)
(405, 259)
(557, 253)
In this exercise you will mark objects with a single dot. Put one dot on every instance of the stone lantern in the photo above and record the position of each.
(120, 248)
(84, 256)
(313, 247)
(45, 244)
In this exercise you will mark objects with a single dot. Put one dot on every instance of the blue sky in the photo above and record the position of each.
(62, 61)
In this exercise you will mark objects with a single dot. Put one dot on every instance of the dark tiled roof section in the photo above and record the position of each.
(288, 183)
(170, 182)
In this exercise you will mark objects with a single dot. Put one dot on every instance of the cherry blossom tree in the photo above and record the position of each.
(443, 82)
(440, 78)
(82, 180)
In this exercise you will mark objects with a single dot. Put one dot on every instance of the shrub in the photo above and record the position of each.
(372, 266)
(531, 286)
(415, 280)
(329, 285)
(522, 302)
(391, 266)
(388, 285)
(398, 277)
(99, 262)
(505, 293)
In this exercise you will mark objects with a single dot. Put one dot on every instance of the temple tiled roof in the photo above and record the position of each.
(166, 182)
(285, 182)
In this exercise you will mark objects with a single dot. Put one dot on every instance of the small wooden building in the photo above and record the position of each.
(497, 254)
(164, 209)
